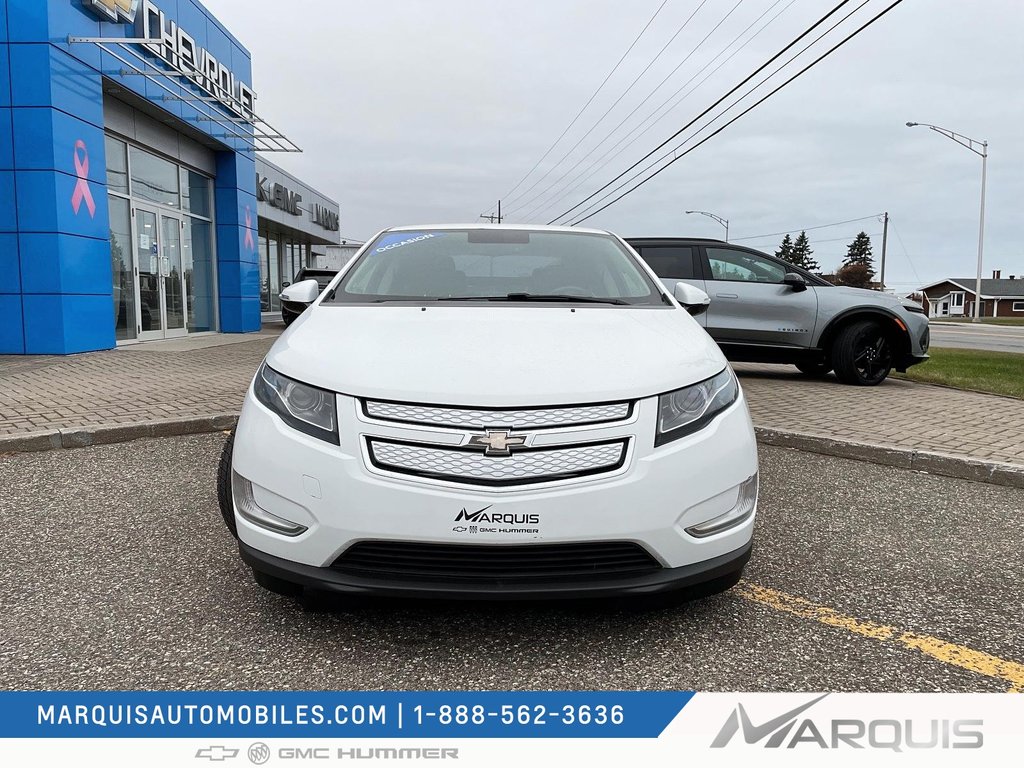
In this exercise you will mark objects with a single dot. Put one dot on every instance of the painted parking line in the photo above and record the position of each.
(948, 653)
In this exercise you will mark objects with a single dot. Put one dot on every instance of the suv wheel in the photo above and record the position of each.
(816, 370)
(227, 507)
(862, 354)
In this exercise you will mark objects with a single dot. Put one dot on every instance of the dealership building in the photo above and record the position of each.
(133, 205)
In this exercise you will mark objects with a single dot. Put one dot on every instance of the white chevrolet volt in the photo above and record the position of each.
(493, 412)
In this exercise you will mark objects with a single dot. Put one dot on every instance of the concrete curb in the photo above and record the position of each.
(904, 458)
(978, 470)
(104, 434)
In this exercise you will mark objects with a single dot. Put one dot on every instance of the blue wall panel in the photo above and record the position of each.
(6, 140)
(48, 140)
(44, 76)
(12, 334)
(63, 325)
(58, 263)
(8, 209)
(242, 316)
(5, 75)
(46, 204)
(10, 267)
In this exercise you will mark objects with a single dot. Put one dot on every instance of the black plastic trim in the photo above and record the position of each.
(328, 580)
(624, 442)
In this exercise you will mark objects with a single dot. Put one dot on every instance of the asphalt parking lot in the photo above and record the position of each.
(116, 573)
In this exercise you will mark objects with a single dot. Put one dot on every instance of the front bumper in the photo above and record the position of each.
(329, 581)
(341, 499)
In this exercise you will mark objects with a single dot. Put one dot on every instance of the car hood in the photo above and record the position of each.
(866, 296)
(496, 356)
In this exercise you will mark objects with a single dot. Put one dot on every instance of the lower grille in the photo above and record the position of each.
(461, 465)
(505, 563)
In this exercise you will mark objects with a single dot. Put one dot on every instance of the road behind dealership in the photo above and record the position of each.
(116, 573)
(996, 338)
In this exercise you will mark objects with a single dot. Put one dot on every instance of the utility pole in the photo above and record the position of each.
(885, 238)
(491, 217)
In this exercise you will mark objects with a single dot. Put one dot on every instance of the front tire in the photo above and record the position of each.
(224, 500)
(862, 354)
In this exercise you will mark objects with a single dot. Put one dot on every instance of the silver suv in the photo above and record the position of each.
(765, 310)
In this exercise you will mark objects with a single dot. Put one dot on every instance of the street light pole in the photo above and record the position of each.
(719, 219)
(966, 141)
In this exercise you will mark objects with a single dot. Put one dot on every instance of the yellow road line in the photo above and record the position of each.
(948, 653)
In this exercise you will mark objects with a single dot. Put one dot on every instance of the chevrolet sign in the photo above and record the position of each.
(116, 10)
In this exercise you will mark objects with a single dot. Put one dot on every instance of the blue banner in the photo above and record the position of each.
(227, 714)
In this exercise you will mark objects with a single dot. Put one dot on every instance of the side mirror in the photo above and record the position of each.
(795, 281)
(693, 300)
(303, 292)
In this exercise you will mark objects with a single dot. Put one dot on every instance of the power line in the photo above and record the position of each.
(905, 253)
(805, 229)
(812, 242)
(629, 112)
(829, 52)
(620, 98)
(735, 88)
(583, 109)
(635, 133)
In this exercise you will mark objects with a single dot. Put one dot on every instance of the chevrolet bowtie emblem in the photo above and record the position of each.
(497, 442)
(115, 10)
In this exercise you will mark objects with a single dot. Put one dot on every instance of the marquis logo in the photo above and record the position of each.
(789, 731)
(115, 10)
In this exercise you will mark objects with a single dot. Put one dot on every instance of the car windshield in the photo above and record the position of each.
(496, 265)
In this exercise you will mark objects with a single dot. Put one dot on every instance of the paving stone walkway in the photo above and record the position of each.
(208, 375)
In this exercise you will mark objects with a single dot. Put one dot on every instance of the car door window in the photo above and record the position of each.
(742, 266)
(670, 261)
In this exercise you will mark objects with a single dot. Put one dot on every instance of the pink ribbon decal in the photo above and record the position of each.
(82, 191)
(248, 229)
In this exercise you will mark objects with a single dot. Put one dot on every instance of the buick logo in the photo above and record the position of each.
(259, 753)
(497, 442)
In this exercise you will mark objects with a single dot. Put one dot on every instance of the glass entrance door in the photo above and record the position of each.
(161, 295)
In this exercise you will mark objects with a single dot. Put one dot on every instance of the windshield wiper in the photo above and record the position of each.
(540, 297)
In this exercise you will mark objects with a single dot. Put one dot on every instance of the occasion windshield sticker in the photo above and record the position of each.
(399, 239)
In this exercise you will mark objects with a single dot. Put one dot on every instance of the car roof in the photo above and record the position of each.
(674, 239)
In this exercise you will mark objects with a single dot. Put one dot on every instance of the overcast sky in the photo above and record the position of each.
(426, 111)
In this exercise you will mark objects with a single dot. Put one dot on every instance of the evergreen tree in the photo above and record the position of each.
(801, 254)
(859, 252)
(785, 251)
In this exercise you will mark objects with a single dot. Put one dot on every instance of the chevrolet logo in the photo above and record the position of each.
(497, 442)
(115, 10)
(216, 753)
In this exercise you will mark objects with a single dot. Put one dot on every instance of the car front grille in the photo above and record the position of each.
(499, 562)
(483, 418)
(523, 467)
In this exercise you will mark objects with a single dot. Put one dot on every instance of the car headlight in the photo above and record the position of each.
(684, 411)
(306, 408)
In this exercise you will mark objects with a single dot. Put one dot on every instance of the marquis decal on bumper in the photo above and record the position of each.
(483, 521)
